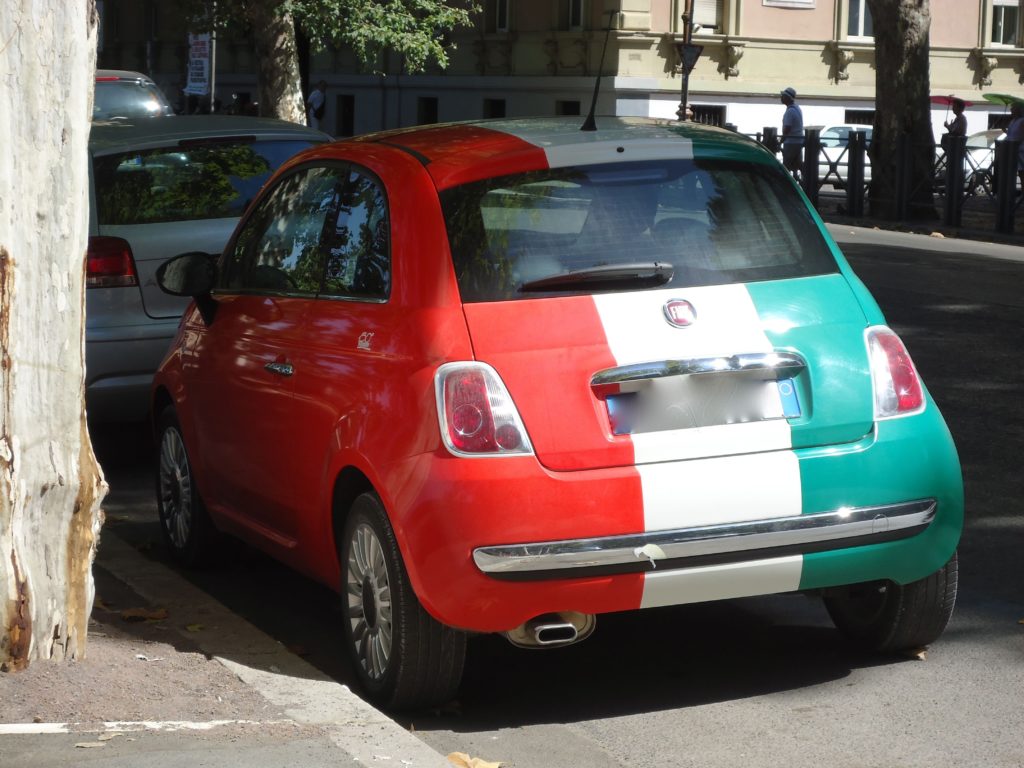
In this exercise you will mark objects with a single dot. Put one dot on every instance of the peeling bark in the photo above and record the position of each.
(278, 62)
(50, 484)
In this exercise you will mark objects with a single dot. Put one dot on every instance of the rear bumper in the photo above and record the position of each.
(119, 365)
(489, 544)
(707, 545)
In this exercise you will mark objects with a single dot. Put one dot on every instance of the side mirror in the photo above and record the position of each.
(188, 274)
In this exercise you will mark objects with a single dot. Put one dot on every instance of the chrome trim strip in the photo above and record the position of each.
(775, 365)
(643, 551)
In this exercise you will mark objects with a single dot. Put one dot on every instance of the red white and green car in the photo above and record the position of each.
(507, 376)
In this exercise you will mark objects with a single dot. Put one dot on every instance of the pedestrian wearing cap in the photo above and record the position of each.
(792, 132)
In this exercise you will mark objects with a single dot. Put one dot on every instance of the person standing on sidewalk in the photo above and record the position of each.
(315, 105)
(792, 132)
(958, 125)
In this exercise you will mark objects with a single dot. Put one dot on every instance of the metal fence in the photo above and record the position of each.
(974, 186)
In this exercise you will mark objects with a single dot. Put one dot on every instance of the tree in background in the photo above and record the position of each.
(50, 484)
(902, 109)
(414, 29)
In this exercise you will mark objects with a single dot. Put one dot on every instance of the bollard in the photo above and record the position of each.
(809, 168)
(1006, 184)
(855, 154)
(956, 149)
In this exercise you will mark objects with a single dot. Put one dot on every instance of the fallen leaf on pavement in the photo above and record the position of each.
(108, 736)
(462, 760)
(921, 654)
(194, 627)
(144, 657)
(1020, 621)
(939, 235)
(144, 614)
(88, 744)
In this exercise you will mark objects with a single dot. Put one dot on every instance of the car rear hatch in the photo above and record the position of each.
(664, 311)
(185, 196)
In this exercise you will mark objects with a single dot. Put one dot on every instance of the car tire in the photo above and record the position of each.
(187, 530)
(403, 657)
(890, 618)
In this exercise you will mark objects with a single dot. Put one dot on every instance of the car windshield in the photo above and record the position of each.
(667, 223)
(185, 183)
(129, 99)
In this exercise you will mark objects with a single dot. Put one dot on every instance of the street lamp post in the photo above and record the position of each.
(688, 55)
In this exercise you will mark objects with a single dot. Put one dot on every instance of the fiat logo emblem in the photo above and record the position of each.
(680, 313)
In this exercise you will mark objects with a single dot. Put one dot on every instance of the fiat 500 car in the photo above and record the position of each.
(509, 376)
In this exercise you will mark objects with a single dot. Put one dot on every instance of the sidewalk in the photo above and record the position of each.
(172, 678)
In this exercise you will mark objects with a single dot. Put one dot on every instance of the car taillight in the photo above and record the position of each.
(897, 387)
(109, 263)
(476, 412)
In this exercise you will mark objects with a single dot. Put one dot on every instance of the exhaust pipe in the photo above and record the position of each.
(553, 630)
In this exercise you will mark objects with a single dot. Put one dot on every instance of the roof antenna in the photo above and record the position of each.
(590, 124)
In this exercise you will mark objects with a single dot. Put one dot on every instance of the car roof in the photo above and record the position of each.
(456, 153)
(125, 134)
(121, 74)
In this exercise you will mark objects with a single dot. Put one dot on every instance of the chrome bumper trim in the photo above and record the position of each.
(710, 544)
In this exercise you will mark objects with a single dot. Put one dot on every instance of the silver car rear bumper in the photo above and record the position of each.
(705, 545)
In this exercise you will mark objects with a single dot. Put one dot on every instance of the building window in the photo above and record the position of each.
(570, 14)
(708, 114)
(1005, 15)
(494, 108)
(426, 110)
(496, 18)
(567, 107)
(708, 14)
(859, 18)
(865, 117)
(345, 115)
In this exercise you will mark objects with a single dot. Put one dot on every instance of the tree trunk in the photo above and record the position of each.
(50, 484)
(277, 60)
(902, 145)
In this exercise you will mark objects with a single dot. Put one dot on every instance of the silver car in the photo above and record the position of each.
(159, 188)
(123, 94)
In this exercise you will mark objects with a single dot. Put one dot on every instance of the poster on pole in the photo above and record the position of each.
(198, 79)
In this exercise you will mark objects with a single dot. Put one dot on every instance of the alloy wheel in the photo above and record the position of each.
(175, 479)
(369, 602)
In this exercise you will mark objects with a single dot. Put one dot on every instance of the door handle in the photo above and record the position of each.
(281, 369)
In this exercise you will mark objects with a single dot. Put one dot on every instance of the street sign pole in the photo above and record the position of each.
(688, 55)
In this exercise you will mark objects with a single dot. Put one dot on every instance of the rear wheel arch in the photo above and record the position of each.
(349, 484)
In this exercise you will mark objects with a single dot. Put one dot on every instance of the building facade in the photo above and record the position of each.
(541, 57)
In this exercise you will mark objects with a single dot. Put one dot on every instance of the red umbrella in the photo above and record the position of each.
(948, 100)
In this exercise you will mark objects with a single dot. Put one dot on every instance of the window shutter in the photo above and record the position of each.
(708, 13)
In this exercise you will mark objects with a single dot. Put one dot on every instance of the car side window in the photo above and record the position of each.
(356, 244)
(278, 249)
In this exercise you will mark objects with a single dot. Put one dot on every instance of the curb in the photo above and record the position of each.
(305, 693)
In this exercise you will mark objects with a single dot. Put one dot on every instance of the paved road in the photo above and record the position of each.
(762, 681)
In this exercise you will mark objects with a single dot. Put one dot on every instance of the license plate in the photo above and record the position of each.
(701, 401)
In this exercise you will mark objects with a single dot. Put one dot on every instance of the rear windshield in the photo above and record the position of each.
(200, 181)
(128, 98)
(689, 222)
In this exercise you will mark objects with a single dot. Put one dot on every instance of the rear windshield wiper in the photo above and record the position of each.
(645, 273)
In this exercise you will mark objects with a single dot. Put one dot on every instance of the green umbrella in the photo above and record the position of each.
(1003, 99)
